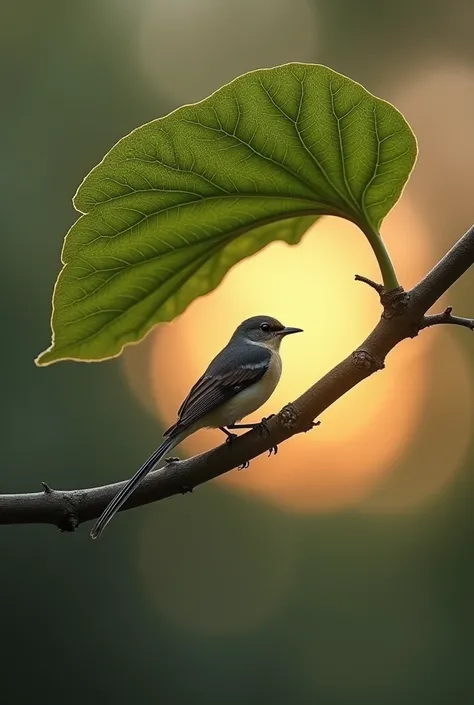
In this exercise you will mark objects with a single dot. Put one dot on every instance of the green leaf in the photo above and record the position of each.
(180, 200)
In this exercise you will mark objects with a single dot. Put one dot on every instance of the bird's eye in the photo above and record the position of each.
(265, 327)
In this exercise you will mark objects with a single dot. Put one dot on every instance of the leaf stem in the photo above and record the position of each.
(387, 269)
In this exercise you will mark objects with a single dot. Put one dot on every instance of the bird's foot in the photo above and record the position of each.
(262, 428)
(244, 465)
(231, 436)
(173, 459)
(185, 489)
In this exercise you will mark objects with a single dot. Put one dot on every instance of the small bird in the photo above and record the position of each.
(237, 382)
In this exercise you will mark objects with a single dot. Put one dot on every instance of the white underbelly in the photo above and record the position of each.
(249, 400)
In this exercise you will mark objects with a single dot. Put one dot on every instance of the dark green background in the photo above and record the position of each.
(254, 605)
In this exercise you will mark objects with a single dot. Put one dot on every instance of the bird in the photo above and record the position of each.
(236, 383)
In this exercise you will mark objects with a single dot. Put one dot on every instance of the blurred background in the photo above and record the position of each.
(340, 572)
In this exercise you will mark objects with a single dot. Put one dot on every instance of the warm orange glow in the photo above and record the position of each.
(310, 286)
(442, 436)
(438, 101)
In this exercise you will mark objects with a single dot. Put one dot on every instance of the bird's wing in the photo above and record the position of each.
(228, 374)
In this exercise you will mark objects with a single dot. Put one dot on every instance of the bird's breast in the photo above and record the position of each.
(249, 400)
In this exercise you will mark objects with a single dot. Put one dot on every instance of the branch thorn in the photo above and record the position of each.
(446, 317)
(378, 287)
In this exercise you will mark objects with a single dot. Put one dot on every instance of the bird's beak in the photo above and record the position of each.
(289, 331)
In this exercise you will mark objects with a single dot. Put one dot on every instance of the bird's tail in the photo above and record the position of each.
(122, 496)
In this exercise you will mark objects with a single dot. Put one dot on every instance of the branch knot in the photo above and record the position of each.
(363, 360)
(69, 521)
(394, 302)
(288, 416)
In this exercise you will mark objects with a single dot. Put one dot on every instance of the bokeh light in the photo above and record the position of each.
(438, 101)
(310, 286)
(442, 435)
(220, 596)
(243, 35)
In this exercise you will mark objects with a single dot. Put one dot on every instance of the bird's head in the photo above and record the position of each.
(264, 330)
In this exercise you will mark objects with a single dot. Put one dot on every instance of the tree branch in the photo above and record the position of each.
(378, 287)
(404, 315)
(446, 317)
